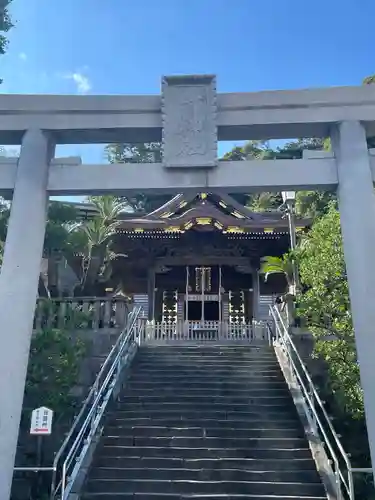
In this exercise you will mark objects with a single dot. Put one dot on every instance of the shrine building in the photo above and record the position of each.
(197, 258)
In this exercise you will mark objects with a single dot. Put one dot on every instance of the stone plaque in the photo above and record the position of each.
(189, 121)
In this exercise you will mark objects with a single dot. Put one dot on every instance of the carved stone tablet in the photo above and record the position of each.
(189, 121)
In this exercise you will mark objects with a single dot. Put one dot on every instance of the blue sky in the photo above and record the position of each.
(124, 46)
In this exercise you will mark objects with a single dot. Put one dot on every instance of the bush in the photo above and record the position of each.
(53, 369)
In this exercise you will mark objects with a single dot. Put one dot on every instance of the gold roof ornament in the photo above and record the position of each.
(203, 221)
(234, 229)
(237, 214)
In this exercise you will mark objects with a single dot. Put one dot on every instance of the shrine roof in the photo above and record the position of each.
(207, 211)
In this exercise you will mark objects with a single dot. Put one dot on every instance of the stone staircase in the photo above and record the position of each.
(204, 422)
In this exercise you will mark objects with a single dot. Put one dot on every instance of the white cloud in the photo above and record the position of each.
(22, 56)
(82, 82)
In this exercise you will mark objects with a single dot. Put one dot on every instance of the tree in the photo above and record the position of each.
(369, 80)
(264, 202)
(66, 237)
(147, 152)
(53, 369)
(93, 239)
(5, 25)
(313, 204)
(308, 203)
(325, 306)
(60, 218)
(255, 150)
(278, 265)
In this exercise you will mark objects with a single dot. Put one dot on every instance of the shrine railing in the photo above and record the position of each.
(206, 331)
(92, 313)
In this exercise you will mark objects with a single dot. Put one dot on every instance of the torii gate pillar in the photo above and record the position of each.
(357, 213)
(18, 290)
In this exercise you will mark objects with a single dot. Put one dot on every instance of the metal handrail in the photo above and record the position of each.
(72, 452)
(312, 398)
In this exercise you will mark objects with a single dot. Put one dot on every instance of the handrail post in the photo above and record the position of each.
(312, 408)
(312, 399)
(338, 480)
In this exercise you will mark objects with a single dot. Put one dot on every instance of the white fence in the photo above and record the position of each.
(206, 331)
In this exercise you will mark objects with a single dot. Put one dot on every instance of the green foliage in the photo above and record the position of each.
(60, 217)
(325, 305)
(95, 240)
(278, 265)
(313, 204)
(251, 150)
(264, 202)
(308, 203)
(256, 150)
(5, 25)
(369, 80)
(148, 152)
(53, 369)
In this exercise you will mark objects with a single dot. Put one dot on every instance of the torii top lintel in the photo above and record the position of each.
(141, 118)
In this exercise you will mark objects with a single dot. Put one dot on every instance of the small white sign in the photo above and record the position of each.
(41, 421)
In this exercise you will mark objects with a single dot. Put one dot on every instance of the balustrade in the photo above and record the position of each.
(205, 331)
(93, 313)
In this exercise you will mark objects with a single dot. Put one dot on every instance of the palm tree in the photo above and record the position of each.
(278, 265)
(282, 265)
(93, 239)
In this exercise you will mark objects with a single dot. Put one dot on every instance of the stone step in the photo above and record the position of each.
(246, 464)
(275, 424)
(198, 432)
(268, 399)
(206, 379)
(204, 487)
(173, 358)
(187, 474)
(204, 423)
(261, 405)
(258, 384)
(172, 496)
(190, 392)
(220, 362)
(207, 374)
(264, 443)
(258, 453)
(205, 367)
(256, 413)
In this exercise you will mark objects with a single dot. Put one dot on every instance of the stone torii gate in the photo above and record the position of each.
(189, 116)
